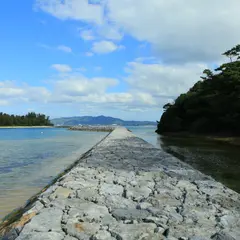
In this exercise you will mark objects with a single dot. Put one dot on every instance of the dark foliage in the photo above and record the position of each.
(211, 106)
(31, 119)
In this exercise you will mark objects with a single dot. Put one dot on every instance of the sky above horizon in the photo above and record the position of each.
(120, 58)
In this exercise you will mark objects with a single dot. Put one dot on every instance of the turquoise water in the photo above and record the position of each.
(31, 158)
(147, 133)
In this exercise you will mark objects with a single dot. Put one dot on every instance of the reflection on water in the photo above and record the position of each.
(147, 133)
(222, 162)
(31, 158)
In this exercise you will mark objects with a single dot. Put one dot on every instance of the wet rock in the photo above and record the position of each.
(11, 235)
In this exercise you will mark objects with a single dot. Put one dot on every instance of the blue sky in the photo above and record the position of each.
(119, 58)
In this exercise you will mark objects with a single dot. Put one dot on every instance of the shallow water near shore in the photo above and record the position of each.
(31, 158)
(219, 160)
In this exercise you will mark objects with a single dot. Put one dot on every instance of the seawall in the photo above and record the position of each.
(93, 128)
(126, 189)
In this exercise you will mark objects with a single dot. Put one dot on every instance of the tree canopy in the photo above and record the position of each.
(30, 119)
(211, 106)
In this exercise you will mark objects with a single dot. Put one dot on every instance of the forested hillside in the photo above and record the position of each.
(30, 119)
(211, 106)
(102, 120)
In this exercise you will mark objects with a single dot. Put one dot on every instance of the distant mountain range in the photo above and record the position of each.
(101, 120)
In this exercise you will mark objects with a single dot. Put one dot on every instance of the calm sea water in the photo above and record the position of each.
(221, 161)
(31, 158)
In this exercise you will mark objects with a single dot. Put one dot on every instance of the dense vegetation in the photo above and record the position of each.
(31, 119)
(211, 106)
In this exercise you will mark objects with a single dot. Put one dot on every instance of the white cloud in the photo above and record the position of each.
(81, 86)
(12, 92)
(110, 32)
(149, 86)
(63, 68)
(162, 81)
(180, 32)
(72, 9)
(87, 35)
(64, 48)
(104, 47)
(3, 102)
(197, 33)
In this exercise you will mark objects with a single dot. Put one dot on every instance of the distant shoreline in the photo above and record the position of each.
(26, 127)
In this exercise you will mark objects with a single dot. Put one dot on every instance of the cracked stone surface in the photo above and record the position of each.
(126, 189)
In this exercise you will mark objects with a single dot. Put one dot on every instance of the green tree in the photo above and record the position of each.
(211, 106)
(30, 119)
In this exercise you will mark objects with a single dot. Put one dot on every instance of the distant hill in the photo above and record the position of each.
(102, 120)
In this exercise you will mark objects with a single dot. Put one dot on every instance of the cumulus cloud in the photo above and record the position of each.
(63, 68)
(193, 31)
(150, 85)
(87, 35)
(110, 32)
(104, 47)
(3, 102)
(180, 32)
(12, 92)
(64, 48)
(72, 9)
(81, 86)
(162, 81)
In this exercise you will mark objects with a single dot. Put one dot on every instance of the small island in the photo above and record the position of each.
(211, 107)
(29, 120)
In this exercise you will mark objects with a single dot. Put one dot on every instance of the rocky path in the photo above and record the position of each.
(125, 189)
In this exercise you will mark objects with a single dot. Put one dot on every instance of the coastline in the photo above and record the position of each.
(16, 214)
(131, 197)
